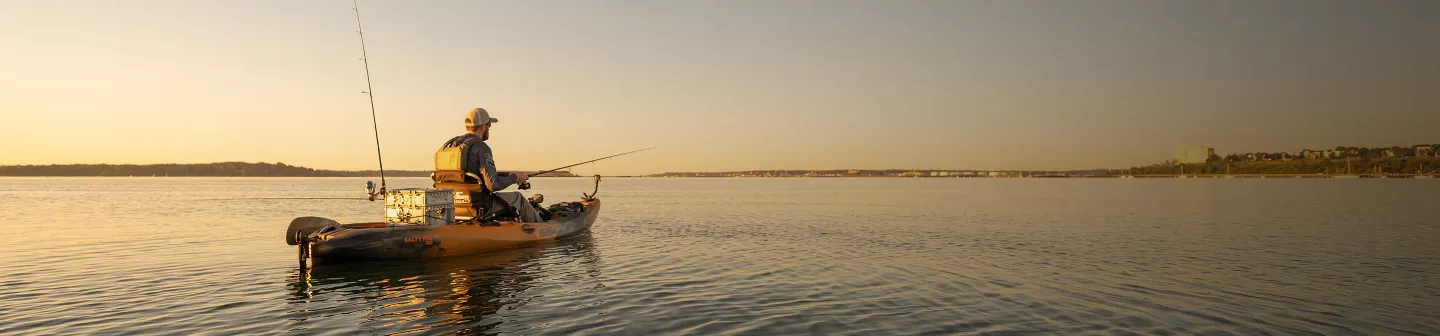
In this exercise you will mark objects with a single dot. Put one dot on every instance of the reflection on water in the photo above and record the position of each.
(454, 293)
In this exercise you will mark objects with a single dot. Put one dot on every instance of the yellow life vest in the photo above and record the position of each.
(450, 160)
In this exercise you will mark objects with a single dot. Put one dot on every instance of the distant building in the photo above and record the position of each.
(1424, 151)
(1389, 153)
(1194, 154)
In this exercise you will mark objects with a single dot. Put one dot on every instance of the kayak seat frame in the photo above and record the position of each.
(467, 211)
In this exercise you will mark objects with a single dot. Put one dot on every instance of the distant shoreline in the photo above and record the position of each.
(1150, 176)
(1300, 168)
(387, 175)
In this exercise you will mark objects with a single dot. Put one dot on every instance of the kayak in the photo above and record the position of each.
(333, 242)
(325, 241)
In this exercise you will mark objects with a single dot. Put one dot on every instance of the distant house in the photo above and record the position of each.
(1389, 153)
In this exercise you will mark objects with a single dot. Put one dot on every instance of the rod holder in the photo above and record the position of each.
(591, 195)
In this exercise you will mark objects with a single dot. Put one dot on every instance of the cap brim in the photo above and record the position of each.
(493, 120)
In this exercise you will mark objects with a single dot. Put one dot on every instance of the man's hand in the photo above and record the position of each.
(520, 177)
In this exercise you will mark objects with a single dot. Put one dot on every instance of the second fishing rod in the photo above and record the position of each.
(526, 185)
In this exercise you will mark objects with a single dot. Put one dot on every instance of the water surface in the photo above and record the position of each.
(745, 256)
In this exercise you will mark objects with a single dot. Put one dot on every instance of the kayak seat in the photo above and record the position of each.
(466, 193)
(455, 180)
(462, 209)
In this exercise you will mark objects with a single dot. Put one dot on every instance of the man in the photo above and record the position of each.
(476, 159)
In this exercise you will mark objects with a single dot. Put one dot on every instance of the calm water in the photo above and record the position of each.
(745, 256)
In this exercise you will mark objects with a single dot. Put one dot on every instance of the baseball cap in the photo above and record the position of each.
(478, 116)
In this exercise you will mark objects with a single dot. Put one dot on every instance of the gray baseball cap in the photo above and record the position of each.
(478, 116)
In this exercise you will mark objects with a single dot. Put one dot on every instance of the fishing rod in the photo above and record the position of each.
(369, 91)
(526, 184)
(523, 186)
(577, 164)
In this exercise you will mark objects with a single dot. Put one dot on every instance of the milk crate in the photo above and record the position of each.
(415, 206)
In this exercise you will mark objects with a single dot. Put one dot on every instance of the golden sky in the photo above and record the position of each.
(715, 85)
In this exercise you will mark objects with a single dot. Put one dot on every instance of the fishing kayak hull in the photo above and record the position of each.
(377, 241)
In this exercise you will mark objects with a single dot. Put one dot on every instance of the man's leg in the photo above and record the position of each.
(522, 205)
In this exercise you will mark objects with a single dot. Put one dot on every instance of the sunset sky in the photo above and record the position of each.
(715, 85)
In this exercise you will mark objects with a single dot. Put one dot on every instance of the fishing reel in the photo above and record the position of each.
(525, 185)
(370, 190)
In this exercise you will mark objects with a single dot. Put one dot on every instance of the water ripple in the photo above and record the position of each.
(725, 256)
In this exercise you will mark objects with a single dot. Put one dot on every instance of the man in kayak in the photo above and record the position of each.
(475, 158)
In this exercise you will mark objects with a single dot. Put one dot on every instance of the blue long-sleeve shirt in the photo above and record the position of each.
(493, 179)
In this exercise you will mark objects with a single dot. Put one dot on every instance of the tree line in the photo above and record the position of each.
(1363, 165)
(1342, 152)
(201, 169)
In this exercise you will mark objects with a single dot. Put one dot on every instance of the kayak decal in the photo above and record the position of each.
(428, 240)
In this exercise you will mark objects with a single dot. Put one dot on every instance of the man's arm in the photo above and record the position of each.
(491, 177)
